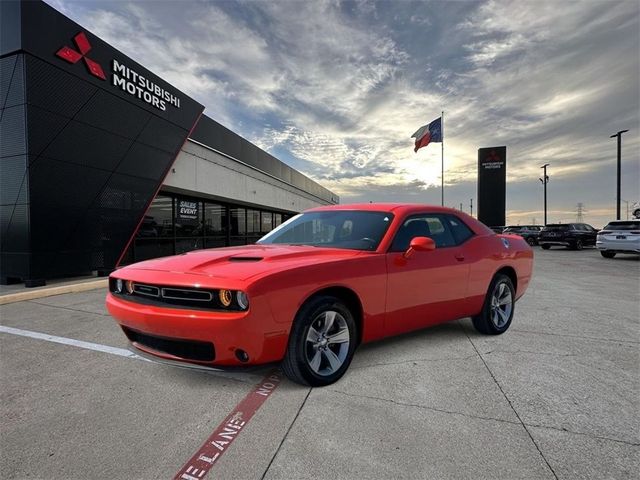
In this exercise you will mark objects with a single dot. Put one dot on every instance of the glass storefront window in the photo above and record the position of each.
(158, 221)
(175, 224)
(238, 221)
(187, 244)
(267, 222)
(215, 219)
(146, 248)
(253, 222)
(188, 217)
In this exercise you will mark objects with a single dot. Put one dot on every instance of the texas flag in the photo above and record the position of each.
(428, 133)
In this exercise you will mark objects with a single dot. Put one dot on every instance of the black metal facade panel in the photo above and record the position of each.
(492, 176)
(45, 32)
(11, 81)
(14, 181)
(210, 133)
(82, 151)
(94, 165)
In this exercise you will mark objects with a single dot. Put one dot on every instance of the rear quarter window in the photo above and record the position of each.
(461, 233)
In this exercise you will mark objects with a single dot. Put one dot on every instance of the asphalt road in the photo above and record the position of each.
(557, 396)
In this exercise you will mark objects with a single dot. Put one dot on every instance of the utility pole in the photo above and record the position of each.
(619, 136)
(545, 180)
(460, 206)
(471, 207)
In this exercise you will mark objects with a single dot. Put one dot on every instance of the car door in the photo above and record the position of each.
(427, 287)
(592, 234)
(582, 232)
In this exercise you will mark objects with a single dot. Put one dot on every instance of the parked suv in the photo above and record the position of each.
(619, 236)
(529, 232)
(572, 235)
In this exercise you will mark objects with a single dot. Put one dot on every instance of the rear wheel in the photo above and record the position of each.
(498, 308)
(545, 246)
(531, 241)
(321, 343)
(607, 254)
(577, 245)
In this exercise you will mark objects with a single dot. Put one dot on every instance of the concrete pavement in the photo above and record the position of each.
(554, 397)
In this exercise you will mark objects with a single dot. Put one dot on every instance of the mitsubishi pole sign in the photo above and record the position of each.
(492, 176)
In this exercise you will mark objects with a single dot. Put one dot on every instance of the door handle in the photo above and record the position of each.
(459, 257)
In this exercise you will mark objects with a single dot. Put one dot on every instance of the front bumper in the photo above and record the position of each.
(209, 338)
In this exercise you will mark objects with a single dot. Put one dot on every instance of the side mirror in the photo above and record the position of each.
(420, 244)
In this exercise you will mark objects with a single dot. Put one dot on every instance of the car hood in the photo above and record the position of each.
(244, 262)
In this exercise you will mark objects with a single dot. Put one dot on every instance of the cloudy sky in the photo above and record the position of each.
(335, 89)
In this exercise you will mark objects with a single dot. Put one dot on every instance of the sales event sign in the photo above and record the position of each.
(187, 211)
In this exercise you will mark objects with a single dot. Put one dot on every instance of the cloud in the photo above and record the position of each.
(336, 88)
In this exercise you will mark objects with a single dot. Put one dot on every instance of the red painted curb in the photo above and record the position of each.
(224, 435)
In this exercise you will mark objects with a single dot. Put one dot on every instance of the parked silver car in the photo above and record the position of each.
(619, 236)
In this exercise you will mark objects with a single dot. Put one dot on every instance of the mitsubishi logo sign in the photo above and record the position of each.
(123, 77)
(73, 56)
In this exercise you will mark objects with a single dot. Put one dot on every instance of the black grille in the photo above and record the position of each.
(187, 349)
(184, 294)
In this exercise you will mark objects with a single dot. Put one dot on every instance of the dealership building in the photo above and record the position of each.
(103, 163)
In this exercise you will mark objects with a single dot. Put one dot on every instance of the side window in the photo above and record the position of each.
(431, 226)
(461, 233)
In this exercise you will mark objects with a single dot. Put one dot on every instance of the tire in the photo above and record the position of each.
(495, 319)
(312, 358)
(545, 246)
(577, 245)
(607, 254)
(531, 241)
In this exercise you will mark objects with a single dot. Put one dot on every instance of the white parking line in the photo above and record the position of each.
(246, 376)
(122, 352)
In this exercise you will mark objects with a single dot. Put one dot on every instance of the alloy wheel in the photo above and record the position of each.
(327, 343)
(501, 305)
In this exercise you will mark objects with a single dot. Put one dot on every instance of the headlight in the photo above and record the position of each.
(129, 286)
(242, 299)
(225, 297)
(119, 285)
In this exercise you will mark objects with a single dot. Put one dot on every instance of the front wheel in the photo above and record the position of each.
(578, 245)
(531, 241)
(607, 254)
(497, 311)
(321, 343)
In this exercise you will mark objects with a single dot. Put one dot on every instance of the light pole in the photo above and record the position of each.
(545, 180)
(471, 207)
(627, 202)
(619, 135)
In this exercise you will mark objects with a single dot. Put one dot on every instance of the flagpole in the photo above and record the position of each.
(442, 159)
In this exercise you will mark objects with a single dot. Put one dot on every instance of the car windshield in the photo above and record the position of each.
(630, 225)
(348, 229)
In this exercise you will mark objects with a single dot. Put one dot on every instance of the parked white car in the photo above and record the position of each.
(619, 236)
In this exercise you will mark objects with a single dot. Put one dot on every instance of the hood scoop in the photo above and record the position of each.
(245, 259)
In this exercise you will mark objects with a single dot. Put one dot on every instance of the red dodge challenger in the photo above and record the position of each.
(313, 289)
